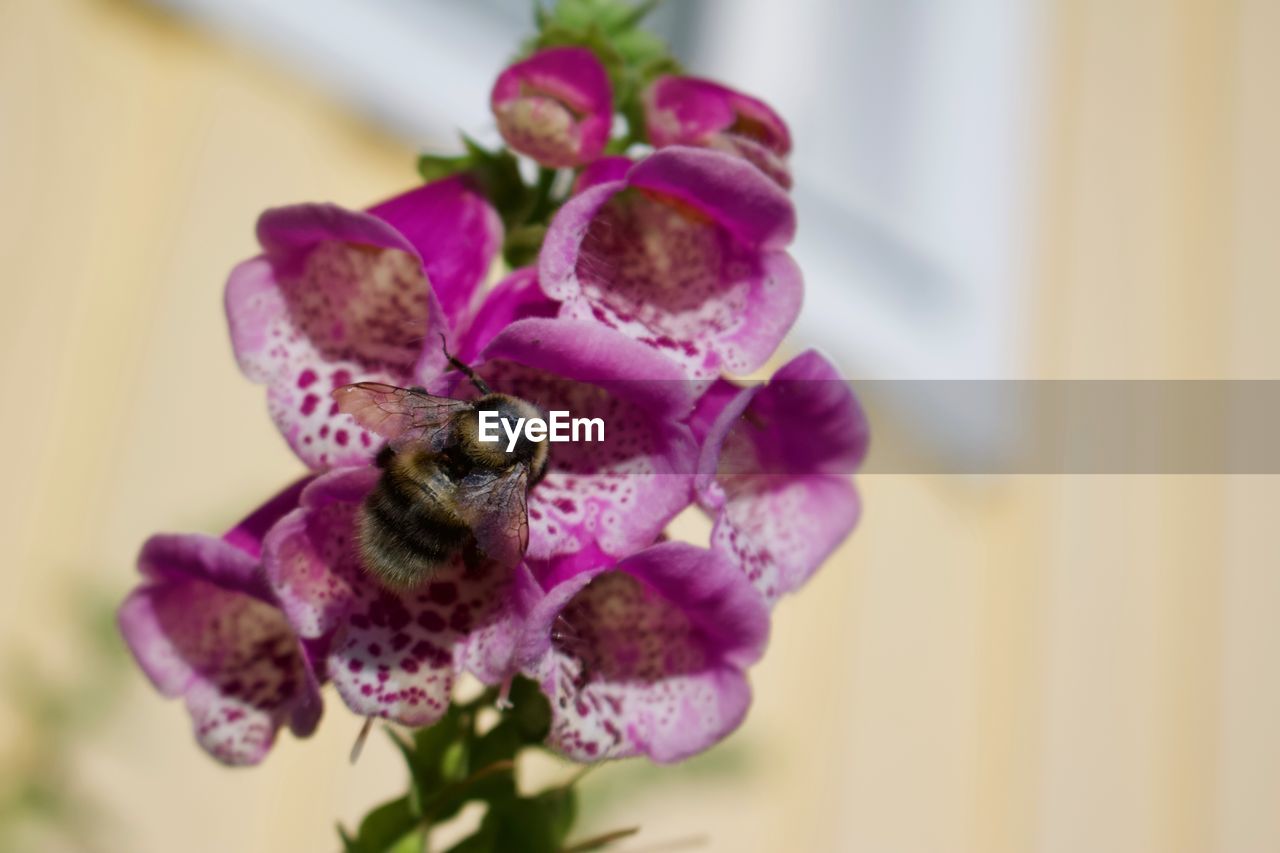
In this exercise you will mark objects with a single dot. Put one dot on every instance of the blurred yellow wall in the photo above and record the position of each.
(1034, 663)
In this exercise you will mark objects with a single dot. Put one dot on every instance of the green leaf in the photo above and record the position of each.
(530, 711)
(640, 47)
(498, 174)
(500, 743)
(382, 828)
(523, 825)
(411, 843)
(522, 245)
(492, 783)
(427, 755)
(561, 806)
(434, 167)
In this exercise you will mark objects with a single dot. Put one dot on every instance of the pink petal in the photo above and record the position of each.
(456, 232)
(691, 111)
(615, 495)
(391, 654)
(774, 469)
(233, 656)
(556, 106)
(682, 256)
(339, 296)
(646, 657)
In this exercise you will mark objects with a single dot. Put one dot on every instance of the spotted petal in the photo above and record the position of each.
(646, 656)
(203, 627)
(394, 655)
(614, 495)
(340, 296)
(685, 255)
(774, 469)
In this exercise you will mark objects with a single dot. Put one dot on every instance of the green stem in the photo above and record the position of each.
(543, 203)
(600, 840)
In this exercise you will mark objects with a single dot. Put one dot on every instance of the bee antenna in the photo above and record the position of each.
(466, 370)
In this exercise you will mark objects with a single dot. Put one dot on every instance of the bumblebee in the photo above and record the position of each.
(443, 492)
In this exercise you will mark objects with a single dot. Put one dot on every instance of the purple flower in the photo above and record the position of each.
(556, 106)
(648, 655)
(394, 655)
(204, 626)
(774, 470)
(516, 297)
(684, 254)
(607, 497)
(340, 295)
(602, 171)
(691, 111)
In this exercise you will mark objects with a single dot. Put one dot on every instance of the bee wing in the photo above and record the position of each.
(399, 415)
(492, 503)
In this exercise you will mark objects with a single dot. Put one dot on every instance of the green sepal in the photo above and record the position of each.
(435, 167)
(522, 245)
(382, 828)
(411, 843)
(498, 176)
(611, 16)
(530, 710)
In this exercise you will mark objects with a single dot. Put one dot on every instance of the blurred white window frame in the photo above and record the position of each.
(915, 126)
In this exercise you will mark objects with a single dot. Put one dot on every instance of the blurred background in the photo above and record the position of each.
(1083, 189)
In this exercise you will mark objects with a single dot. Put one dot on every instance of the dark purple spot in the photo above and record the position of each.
(431, 620)
(309, 404)
(443, 593)
(341, 437)
(306, 377)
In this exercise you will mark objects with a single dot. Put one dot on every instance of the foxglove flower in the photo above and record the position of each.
(646, 656)
(390, 654)
(691, 111)
(556, 106)
(684, 254)
(602, 171)
(607, 497)
(205, 626)
(338, 296)
(774, 471)
(516, 297)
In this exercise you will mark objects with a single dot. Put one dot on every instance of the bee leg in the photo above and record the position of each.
(383, 459)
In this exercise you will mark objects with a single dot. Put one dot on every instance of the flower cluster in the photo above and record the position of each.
(662, 269)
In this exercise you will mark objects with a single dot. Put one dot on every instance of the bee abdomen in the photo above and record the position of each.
(404, 538)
